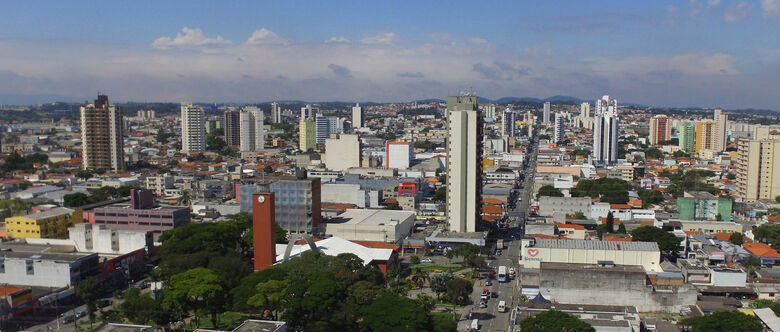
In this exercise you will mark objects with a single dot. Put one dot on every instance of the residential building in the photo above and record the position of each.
(490, 111)
(559, 129)
(342, 152)
(464, 171)
(252, 135)
(705, 136)
(687, 137)
(721, 131)
(399, 155)
(546, 113)
(193, 129)
(508, 123)
(701, 205)
(276, 113)
(357, 116)
(308, 112)
(605, 131)
(758, 169)
(101, 135)
(158, 184)
(660, 129)
(232, 128)
(307, 135)
(49, 224)
(371, 225)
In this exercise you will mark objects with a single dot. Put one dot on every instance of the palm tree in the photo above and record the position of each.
(184, 198)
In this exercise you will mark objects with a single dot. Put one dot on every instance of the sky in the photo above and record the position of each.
(697, 53)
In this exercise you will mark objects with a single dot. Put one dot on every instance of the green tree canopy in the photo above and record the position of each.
(198, 288)
(459, 290)
(74, 200)
(88, 291)
(768, 233)
(737, 238)
(724, 321)
(654, 153)
(667, 242)
(554, 321)
(548, 190)
(441, 194)
(607, 189)
(391, 313)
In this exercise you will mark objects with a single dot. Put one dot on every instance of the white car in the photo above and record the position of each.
(426, 260)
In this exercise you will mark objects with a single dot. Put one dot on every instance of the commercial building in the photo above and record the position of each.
(535, 251)
(97, 238)
(342, 152)
(193, 129)
(140, 214)
(251, 129)
(660, 129)
(464, 165)
(560, 127)
(701, 205)
(399, 155)
(552, 206)
(276, 113)
(307, 135)
(232, 121)
(357, 116)
(605, 131)
(710, 227)
(298, 202)
(50, 224)
(705, 136)
(546, 113)
(508, 125)
(45, 265)
(721, 131)
(371, 225)
(758, 169)
(101, 135)
(322, 129)
(687, 137)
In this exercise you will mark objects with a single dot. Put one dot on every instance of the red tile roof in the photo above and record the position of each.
(761, 249)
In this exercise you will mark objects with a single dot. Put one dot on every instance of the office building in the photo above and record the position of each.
(335, 125)
(701, 205)
(490, 111)
(193, 129)
(232, 121)
(44, 265)
(342, 152)
(686, 134)
(758, 169)
(371, 225)
(322, 128)
(585, 110)
(101, 135)
(297, 203)
(721, 131)
(546, 113)
(49, 224)
(142, 213)
(559, 129)
(464, 155)
(357, 116)
(660, 129)
(508, 123)
(307, 135)
(252, 130)
(276, 113)
(705, 136)
(399, 155)
(605, 132)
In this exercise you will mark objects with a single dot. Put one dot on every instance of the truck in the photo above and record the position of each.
(500, 244)
(502, 277)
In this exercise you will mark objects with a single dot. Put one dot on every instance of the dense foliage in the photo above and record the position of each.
(554, 321)
(667, 242)
(549, 190)
(725, 321)
(606, 189)
(15, 162)
(768, 233)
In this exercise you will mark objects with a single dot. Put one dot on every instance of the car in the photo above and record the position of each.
(483, 304)
(485, 292)
(488, 283)
(492, 271)
(141, 284)
(68, 319)
(103, 303)
(426, 260)
(494, 295)
(81, 313)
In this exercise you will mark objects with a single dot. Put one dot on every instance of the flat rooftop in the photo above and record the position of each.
(371, 217)
(592, 267)
(39, 251)
(596, 245)
(128, 206)
(49, 213)
(259, 326)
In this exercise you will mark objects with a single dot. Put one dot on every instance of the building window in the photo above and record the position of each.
(30, 268)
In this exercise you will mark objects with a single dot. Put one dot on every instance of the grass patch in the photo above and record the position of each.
(428, 267)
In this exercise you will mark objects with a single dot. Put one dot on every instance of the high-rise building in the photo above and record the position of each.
(308, 111)
(101, 135)
(660, 129)
(528, 118)
(605, 131)
(307, 135)
(464, 166)
(560, 127)
(193, 128)
(342, 152)
(687, 137)
(276, 113)
(546, 113)
(252, 130)
(297, 203)
(585, 110)
(490, 111)
(323, 128)
(758, 169)
(721, 137)
(335, 125)
(213, 124)
(508, 122)
(399, 155)
(232, 121)
(705, 136)
(357, 116)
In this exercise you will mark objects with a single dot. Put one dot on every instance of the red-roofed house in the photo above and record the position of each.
(573, 231)
(763, 251)
(617, 238)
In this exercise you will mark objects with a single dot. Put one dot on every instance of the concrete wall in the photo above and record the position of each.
(548, 206)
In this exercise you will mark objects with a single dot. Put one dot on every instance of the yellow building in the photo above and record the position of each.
(705, 135)
(51, 224)
(758, 169)
(307, 135)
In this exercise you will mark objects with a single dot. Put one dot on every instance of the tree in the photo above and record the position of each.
(554, 321)
(394, 313)
(74, 200)
(474, 260)
(777, 199)
(654, 153)
(270, 295)
(184, 198)
(268, 169)
(198, 288)
(724, 321)
(600, 230)
(622, 228)
(214, 143)
(736, 238)
(667, 242)
(607, 189)
(88, 291)
(392, 206)
(751, 262)
(441, 194)
(610, 222)
(768, 233)
(459, 290)
(414, 259)
(549, 190)
(137, 308)
(84, 174)
(439, 283)
(579, 216)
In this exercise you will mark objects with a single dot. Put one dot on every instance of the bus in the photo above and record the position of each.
(502, 274)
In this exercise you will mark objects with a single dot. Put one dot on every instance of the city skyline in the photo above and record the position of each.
(712, 54)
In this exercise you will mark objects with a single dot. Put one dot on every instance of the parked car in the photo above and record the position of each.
(81, 313)
(483, 304)
(102, 303)
(426, 260)
(68, 319)
(488, 283)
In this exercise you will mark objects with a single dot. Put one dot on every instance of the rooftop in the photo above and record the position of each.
(371, 217)
(47, 252)
(49, 213)
(592, 267)
(596, 245)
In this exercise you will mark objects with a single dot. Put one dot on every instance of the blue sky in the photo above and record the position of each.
(708, 53)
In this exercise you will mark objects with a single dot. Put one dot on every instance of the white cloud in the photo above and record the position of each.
(770, 7)
(188, 37)
(699, 6)
(266, 37)
(738, 11)
(339, 39)
(382, 38)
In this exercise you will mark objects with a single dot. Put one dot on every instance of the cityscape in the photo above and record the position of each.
(393, 177)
